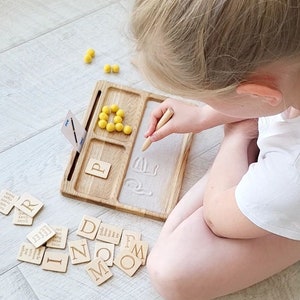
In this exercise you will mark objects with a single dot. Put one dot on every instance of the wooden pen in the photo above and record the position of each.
(163, 120)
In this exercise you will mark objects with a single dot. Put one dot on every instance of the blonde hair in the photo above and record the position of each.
(207, 47)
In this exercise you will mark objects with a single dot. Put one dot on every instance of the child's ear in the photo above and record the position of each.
(268, 94)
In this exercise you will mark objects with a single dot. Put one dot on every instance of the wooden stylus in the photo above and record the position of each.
(163, 120)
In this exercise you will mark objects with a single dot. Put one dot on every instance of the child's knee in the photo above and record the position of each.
(166, 274)
(171, 270)
(156, 268)
(162, 278)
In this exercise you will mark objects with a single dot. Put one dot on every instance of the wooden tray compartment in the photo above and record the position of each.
(115, 154)
(117, 148)
(133, 105)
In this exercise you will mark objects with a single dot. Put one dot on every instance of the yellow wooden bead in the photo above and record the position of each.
(114, 108)
(119, 127)
(102, 123)
(106, 109)
(90, 52)
(103, 116)
(107, 68)
(110, 127)
(118, 119)
(115, 68)
(120, 113)
(127, 129)
(87, 59)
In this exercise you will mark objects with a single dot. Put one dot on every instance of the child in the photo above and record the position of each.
(240, 223)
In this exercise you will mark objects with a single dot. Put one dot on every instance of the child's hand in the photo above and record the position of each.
(185, 119)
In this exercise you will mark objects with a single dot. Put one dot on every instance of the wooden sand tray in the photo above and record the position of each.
(145, 183)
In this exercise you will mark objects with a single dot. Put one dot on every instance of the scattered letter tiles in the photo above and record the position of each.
(132, 250)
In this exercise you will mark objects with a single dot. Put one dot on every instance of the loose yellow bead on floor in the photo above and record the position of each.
(103, 116)
(87, 59)
(107, 68)
(127, 129)
(102, 123)
(115, 68)
(118, 119)
(114, 107)
(110, 127)
(120, 113)
(106, 109)
(119, 127)
(90, 52)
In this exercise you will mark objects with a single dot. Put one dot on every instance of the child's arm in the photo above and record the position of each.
(221, 212)
(186, 118)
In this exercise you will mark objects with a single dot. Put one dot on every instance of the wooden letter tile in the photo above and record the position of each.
(106, 251)
(29, 253)
(98, 271)
(98, 168)
(109, 233)
(55, 261)
(88, 227)
(29, 205)
(7, 201)
(127, 237)
(79, 251)
(140, 250)
(127, 262)
(40, 235)
(59, 240)
(20, 218)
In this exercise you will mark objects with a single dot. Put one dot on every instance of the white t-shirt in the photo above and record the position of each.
(269, 193)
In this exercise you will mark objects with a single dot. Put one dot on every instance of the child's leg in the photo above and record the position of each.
(191, 201)
(190, 262)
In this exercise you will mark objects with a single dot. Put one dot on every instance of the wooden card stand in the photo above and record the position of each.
(111, 168)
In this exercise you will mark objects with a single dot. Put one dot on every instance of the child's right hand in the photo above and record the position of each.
(185, 119)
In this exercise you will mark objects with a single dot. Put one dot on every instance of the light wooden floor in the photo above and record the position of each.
(41, 77)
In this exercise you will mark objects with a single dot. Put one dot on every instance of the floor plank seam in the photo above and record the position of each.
(25, 139)
(9, 269)
(72, 20)
(25, 280)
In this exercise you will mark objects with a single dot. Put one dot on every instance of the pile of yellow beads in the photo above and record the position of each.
(111, 68)
(89, 55)
(116, 124)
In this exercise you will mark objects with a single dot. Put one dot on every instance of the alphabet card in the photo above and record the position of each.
(73, 131)
(98, 271)
(55, 261)
(59, 240)
(7, 201)
(111, 169)
(127, 262)
(98, 168)
(107, 238)
(29, 204)
(79, 251)
(40, 235)
(88, 227)
(29, 253)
